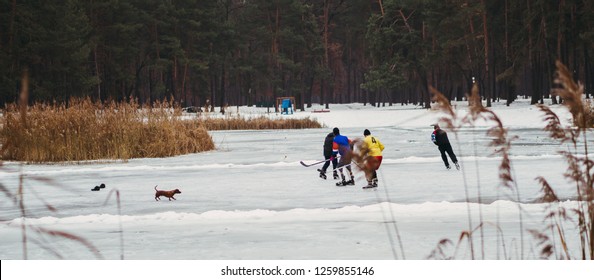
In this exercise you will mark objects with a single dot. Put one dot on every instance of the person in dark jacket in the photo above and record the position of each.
(329, 156)
(440, 138)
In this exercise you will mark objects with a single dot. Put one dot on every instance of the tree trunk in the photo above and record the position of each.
(326, 50)
(222, 94)
(589, 82)
(98, 75)
(487, 80)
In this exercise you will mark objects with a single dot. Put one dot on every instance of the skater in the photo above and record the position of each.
(373, 148)
(342, 146)
(329, 156)
(440, 138)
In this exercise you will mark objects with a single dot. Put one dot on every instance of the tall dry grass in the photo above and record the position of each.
(363, 161)
(257, 123)
(579, 172)
(551, 239)
(32, 234)
(84, 130)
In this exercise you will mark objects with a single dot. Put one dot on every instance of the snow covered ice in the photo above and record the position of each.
(250, 199)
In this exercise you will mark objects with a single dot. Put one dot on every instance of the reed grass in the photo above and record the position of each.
(256, 123)
(84, 130)
(31, 233)
(579, 172)
(451, 121)
(551, 239)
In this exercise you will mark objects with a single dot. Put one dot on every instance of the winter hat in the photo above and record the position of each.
(366, 132)
(336, 131)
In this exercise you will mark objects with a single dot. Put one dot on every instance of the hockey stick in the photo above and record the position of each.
(315, 163)
(337, 168)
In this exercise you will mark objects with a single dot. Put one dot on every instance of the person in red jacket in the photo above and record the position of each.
(440, 138)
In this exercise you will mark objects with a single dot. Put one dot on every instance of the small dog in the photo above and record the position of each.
(168, 194)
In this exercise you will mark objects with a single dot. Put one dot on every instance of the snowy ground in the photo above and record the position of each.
(252, 200)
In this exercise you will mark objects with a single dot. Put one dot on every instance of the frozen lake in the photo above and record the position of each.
(251, 199)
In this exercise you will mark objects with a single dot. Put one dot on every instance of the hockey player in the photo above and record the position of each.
(440, 138)
(342, 146)
(329, 156)
(373, 148)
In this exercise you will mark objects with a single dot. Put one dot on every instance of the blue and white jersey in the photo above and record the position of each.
(342, 144)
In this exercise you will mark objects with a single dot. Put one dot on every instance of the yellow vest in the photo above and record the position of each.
(374, 145)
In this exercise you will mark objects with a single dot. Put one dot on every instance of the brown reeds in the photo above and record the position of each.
(363, 161)
(121, 230)
(439, 252)
(552, 239)
(572, 93)
(452, 122)
(18, 197)
(501, 141)
(579, 167)
(256, 123)
(84, 130)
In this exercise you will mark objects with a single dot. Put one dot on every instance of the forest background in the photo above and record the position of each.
(249, 52)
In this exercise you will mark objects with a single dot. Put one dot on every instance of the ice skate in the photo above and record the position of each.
(341, 183)
(322, 174)
(370, 184)
(351, 181)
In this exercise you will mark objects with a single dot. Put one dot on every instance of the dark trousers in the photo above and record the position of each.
(345, 160)
(326, 164)
(447, 148)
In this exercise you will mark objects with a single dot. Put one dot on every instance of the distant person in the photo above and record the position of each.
(329, 156)
(342, 145)
(373, 148)
(440, 138)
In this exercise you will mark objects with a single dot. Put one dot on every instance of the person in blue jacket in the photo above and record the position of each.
(342, 146)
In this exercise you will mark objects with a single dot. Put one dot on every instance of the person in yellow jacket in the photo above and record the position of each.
(373, 159)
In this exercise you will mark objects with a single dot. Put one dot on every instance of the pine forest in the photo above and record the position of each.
(249, 52)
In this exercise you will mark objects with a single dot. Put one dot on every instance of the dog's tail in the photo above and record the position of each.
(156, 187)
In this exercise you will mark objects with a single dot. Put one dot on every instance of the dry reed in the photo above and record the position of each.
(579, 172)
(84, 130)
(451, 121)
(256, 123)
(501, 141)
(30, 233)
(551, 240)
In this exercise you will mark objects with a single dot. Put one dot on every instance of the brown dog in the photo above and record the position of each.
(168, 194)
